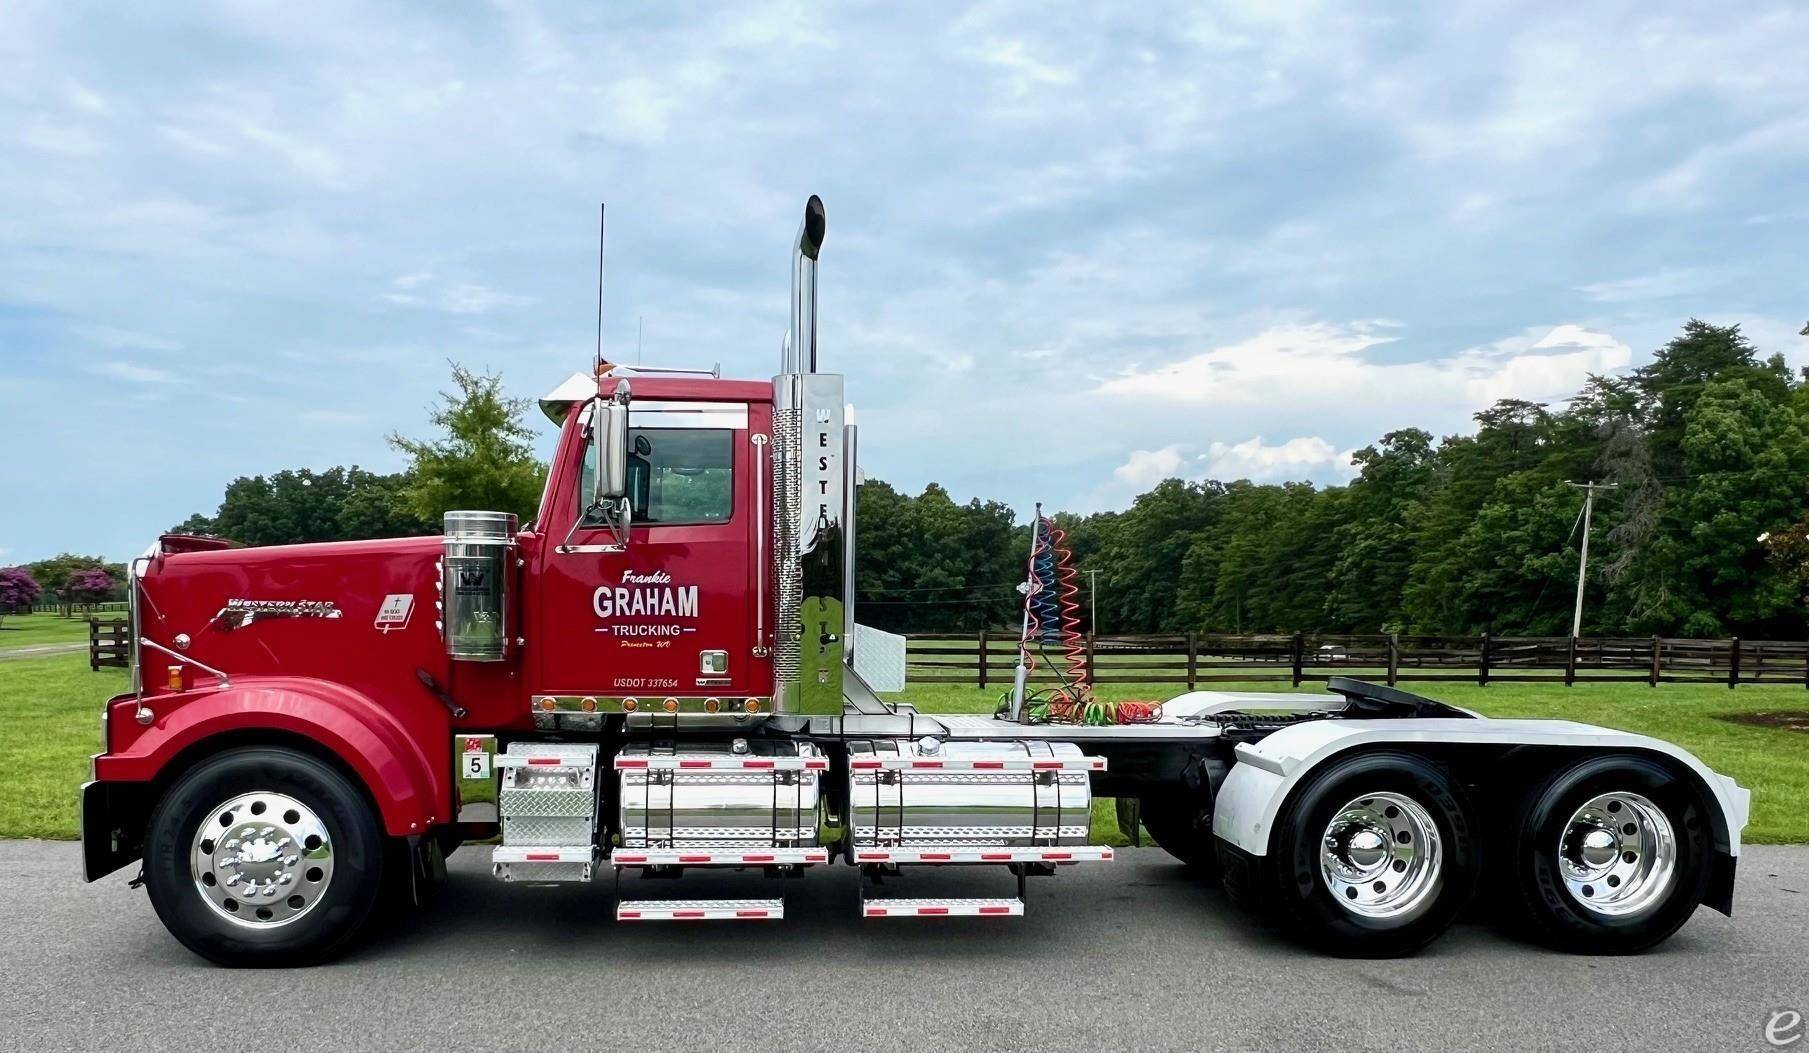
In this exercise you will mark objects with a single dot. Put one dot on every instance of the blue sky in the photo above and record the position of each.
(1071, 249)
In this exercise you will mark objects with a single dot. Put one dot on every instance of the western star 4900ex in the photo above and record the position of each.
(662, 672)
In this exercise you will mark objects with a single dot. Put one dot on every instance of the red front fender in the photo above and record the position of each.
(410, 789)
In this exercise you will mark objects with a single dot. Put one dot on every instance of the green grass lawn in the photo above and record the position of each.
(29, 630)
(51, 710)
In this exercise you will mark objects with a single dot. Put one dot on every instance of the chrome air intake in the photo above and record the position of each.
(474, 584)
(810, 499)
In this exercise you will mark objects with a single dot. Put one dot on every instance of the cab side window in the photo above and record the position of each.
(676, 476)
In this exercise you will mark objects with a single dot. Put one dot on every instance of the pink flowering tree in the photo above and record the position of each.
(17, 589)
(88, 586)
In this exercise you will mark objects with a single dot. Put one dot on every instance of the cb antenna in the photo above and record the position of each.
(602, 228)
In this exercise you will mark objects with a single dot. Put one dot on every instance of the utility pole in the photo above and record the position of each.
(1589, 489)
(1092, 601)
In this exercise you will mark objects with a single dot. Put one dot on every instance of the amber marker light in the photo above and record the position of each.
(547, 705)
(753, 705)
(587, 704)
(672, 705)
(629, 705)
(711, 705)
(175, 678)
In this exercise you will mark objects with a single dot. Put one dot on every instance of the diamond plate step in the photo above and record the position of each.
(717, 857)
(943, 908)
(536, 863)
(936, 853)
(699, 909)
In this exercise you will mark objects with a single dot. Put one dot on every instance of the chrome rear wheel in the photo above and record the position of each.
(1380, 856)
(1618, 855)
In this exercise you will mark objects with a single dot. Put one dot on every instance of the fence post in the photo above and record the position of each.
(1656, 660)
(1570, 664)
(1394, 657)
(93, 645)
(1482, 662)
(1090, 678)
(1733, 666)
(983, 669)
(1300, 659)
(1193, 658)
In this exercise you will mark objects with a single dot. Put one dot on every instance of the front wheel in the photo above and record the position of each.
(1371, 858)
(1612, 855)
(263, 856)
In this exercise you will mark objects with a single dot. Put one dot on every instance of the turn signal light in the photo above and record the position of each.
(753, 705)
(175, 679)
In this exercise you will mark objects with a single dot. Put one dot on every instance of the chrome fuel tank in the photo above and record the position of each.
(746, 793)
(980, 793)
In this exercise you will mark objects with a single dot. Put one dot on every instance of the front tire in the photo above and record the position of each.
(1373, 857)
(1611, 856)
(264, 857)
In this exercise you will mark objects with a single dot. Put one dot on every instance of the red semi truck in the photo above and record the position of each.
(663, 672)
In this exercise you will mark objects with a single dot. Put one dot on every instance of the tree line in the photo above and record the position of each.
(1704, 533)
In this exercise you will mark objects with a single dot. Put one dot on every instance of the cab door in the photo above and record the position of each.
(675, 615)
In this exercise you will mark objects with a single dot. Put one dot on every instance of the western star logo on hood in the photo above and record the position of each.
(644, 596)
(241, 612)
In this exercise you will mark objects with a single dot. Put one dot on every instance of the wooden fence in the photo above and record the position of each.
(109, 643)
(989, 659)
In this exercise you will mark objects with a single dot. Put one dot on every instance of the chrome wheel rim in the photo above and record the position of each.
(1381, 856)
(261, 859)
(1618, 855)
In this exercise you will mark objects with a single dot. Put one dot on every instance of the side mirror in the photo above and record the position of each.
(609, 431)
(609, 490)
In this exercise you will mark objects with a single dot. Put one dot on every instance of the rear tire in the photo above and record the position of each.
(1373, 857)
(264, 857)
(1610, 856)
(1183, 830)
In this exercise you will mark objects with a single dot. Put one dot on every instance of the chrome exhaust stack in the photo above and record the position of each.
(800, 355)
(811, 503)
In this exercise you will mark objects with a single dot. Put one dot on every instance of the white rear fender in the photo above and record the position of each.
(1266, 772)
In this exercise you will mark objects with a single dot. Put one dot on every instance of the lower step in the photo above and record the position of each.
(942, 908)
(533, 863)
(934, 853)
(699, 909)
(718, 857)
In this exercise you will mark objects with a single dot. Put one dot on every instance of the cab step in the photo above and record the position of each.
(717, 857)
(1011, 907)
(699, 909)
(942, 853)
(536, 863)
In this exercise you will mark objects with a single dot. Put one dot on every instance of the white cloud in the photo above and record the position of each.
(1659, 285)
(109, 336)
(131, 372)
(1324, 365)
(1145, 468)
(476, 299)
(1303, 457)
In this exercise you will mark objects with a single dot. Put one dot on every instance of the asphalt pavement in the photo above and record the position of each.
(1125, 955)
